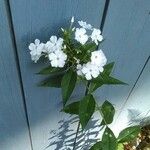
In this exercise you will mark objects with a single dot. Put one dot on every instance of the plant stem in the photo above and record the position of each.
(75, 140)
(77, 132)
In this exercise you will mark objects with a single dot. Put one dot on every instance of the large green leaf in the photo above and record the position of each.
(97, 146)
(104, 79)
(50, 70)
(72, 108)
(94, 86)
(68, 84)
(54, 81)
(129, 134)
(109, 141)
(86, 109)
(111, 80)
(108, 112)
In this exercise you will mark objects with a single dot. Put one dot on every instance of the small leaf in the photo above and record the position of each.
(68, 84)
(108, 112)
(90, 47)
(50, 70)
(86, 109)
(72, 108)
(109, 141)
(108, 68)
(129, 134)
(54, 81)
(120, 146)
(97, 146)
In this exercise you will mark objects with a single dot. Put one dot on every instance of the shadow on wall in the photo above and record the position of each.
(63, 138)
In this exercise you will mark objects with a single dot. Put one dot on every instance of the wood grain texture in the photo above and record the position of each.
(126, 31)
(137, 109)
(41, 19)
(13, 126)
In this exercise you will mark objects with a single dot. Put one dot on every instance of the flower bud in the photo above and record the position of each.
(72, 19)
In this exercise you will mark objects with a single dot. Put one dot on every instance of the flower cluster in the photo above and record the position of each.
(77, 49)
(94, 67)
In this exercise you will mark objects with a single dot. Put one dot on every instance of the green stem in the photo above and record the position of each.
(75, 140)
(77, 132)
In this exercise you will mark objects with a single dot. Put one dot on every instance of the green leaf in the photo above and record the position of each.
(108, 112)
(50, 70)
(111, 80)
(54, 81)
(86, 109)
(129, 134)
(109, 141)
(120, 146)
(68, 84)
(90, 47)
(72, 108)
(108, 68)
(94, 86)
(104, 79)
(97, 146)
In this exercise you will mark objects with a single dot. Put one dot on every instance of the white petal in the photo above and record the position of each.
(79, 72)
(100, 38)
(54, 63)
(85, 25)
(88, 76)
(53, 39)
(61, 63)
(32, 46)
(40, 46)
(95, 74)
(101, 69)
(52, 56)
(85, 70)
(82, 31)
(37, 41)
(60, 41)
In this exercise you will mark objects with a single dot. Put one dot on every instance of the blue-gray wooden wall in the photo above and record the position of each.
(28, 113)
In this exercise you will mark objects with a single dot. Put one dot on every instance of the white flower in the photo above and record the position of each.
(85, 25)
(53, 44)
(96, 36)
(90, 71)
(98, 58)
(81, 36)
(57, 58)
(79, 70)
(36, 50)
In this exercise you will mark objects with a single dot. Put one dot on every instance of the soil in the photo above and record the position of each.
(142, 142)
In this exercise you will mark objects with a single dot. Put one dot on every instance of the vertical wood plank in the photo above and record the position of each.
(41, 19)
(13, 127)
(138, 104)
(126, 31)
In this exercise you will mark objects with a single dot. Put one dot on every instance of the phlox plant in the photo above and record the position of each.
(72, 57)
